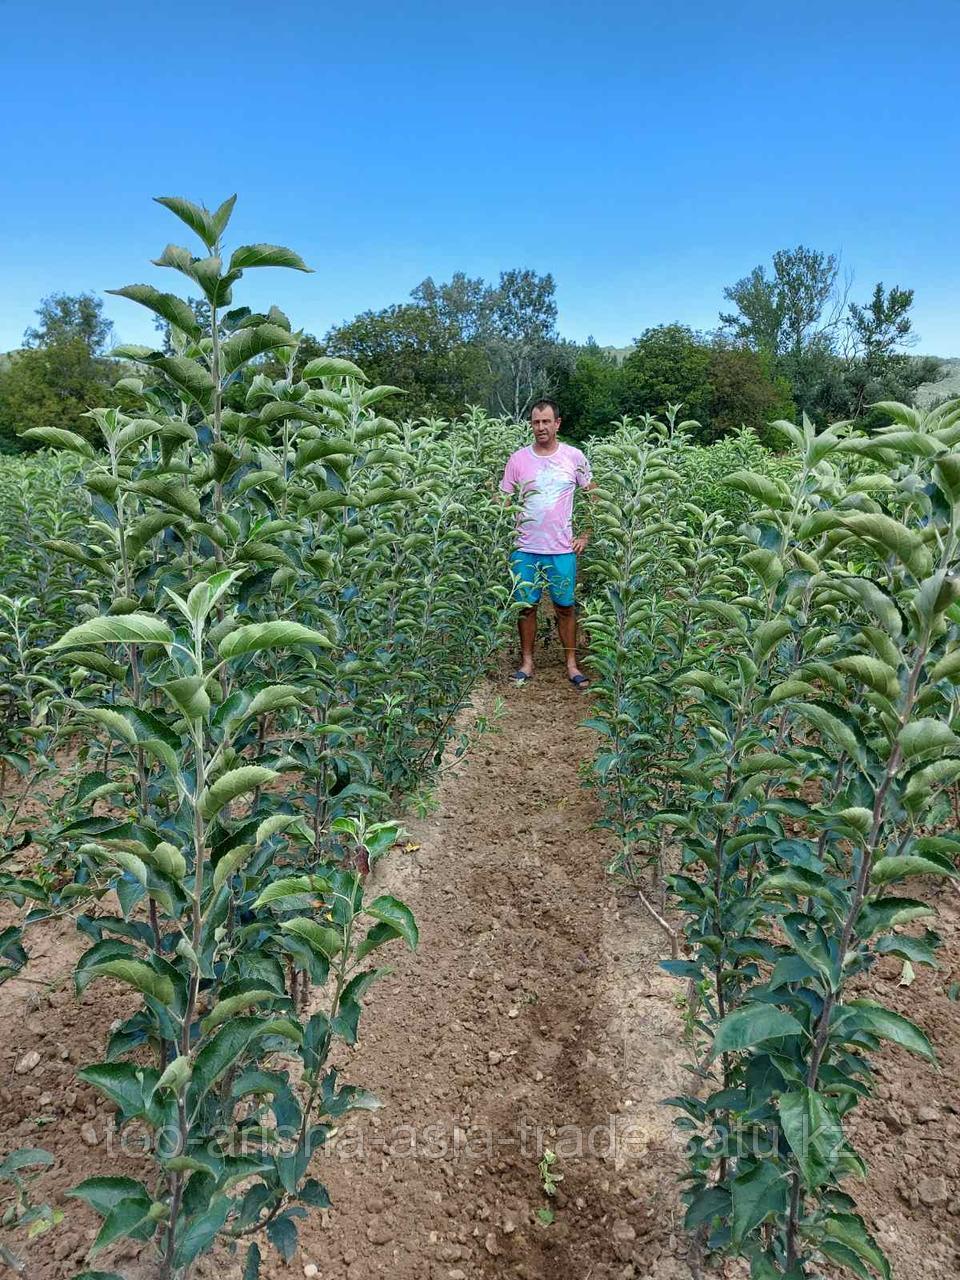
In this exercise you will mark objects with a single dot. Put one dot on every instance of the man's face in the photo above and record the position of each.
(545, 426)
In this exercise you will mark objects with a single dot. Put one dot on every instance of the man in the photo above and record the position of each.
(547, 474)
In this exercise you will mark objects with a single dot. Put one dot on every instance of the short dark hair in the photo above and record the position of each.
(546, 404)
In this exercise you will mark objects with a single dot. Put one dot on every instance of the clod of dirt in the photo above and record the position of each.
(932, 1191)
(379, 1233)
(27, 1063)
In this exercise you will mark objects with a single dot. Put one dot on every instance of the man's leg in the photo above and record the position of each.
(526, 590)
(527, 625)
(567, 626)
(563, 581)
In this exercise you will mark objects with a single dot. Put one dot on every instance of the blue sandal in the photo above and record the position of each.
(521, 677)
(579, 681)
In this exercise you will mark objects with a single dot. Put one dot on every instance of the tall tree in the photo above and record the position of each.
(877, 367)
(520, 339)
(670, 364)
(64, 317)
(60, 373)
(792, 316)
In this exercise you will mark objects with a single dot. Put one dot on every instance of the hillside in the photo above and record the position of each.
(948, 384)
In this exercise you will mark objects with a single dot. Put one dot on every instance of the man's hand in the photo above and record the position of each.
(580, 542)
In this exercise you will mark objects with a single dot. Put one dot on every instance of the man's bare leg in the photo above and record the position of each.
(567, 626)
(527, 625)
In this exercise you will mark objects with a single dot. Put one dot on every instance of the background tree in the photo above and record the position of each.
(745, 392)
(590, 388)
(670, 364)
(61, 372)
(791, 317)
(520, 340)
(876, 367)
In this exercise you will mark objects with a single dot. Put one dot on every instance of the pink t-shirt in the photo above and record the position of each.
(547, 483)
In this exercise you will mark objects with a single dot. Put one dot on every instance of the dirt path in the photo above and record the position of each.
(509, 1032)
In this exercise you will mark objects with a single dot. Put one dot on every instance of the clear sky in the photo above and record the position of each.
(646, 154)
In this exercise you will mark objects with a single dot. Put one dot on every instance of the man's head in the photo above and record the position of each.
(545, 422)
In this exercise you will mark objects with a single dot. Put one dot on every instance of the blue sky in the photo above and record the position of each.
(645, 154)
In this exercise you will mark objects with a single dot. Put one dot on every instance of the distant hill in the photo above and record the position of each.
(946, 385)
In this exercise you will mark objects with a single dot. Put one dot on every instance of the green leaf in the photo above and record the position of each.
(126, 628)
(230, 863)
(849, 1229)
(26, 1158)
(202, 1231)
(768, 635)
(760, 487)
(191, 379)
(166, 305)
(138, 975)
(230, 785)
(935, 595)
(289, 887)
(753, 1024)
(254, 636)
(273, 698)
(104, 1194)
(326, 941)
(113, 722)
(122, 1082)
(251, 1266)
(890, 537)
(397, 915)
(266, 255)
(756, 1195)
(861, 1015)
(948, 668)
(873, 597)
(276, 823)
(884, 913)
(228, 1046)
(946, 473)
(832, 728)
(915, 863)
(767, 566)
(871, 672)
(198, 219)
(814, 1135)
(712, 1202)
(332, 367)
(60, 438)
(233, 1005)
(920, 737)
(129, 1217)
(189, 694)
(249, 343)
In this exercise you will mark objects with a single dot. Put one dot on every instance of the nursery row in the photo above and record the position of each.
(777, 707)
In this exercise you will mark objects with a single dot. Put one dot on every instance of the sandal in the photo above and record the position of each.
(521, 677)
(579, 681)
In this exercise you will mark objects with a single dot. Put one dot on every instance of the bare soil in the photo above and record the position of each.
(533, 1015)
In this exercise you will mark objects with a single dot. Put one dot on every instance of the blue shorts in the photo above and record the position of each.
(534, 570)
